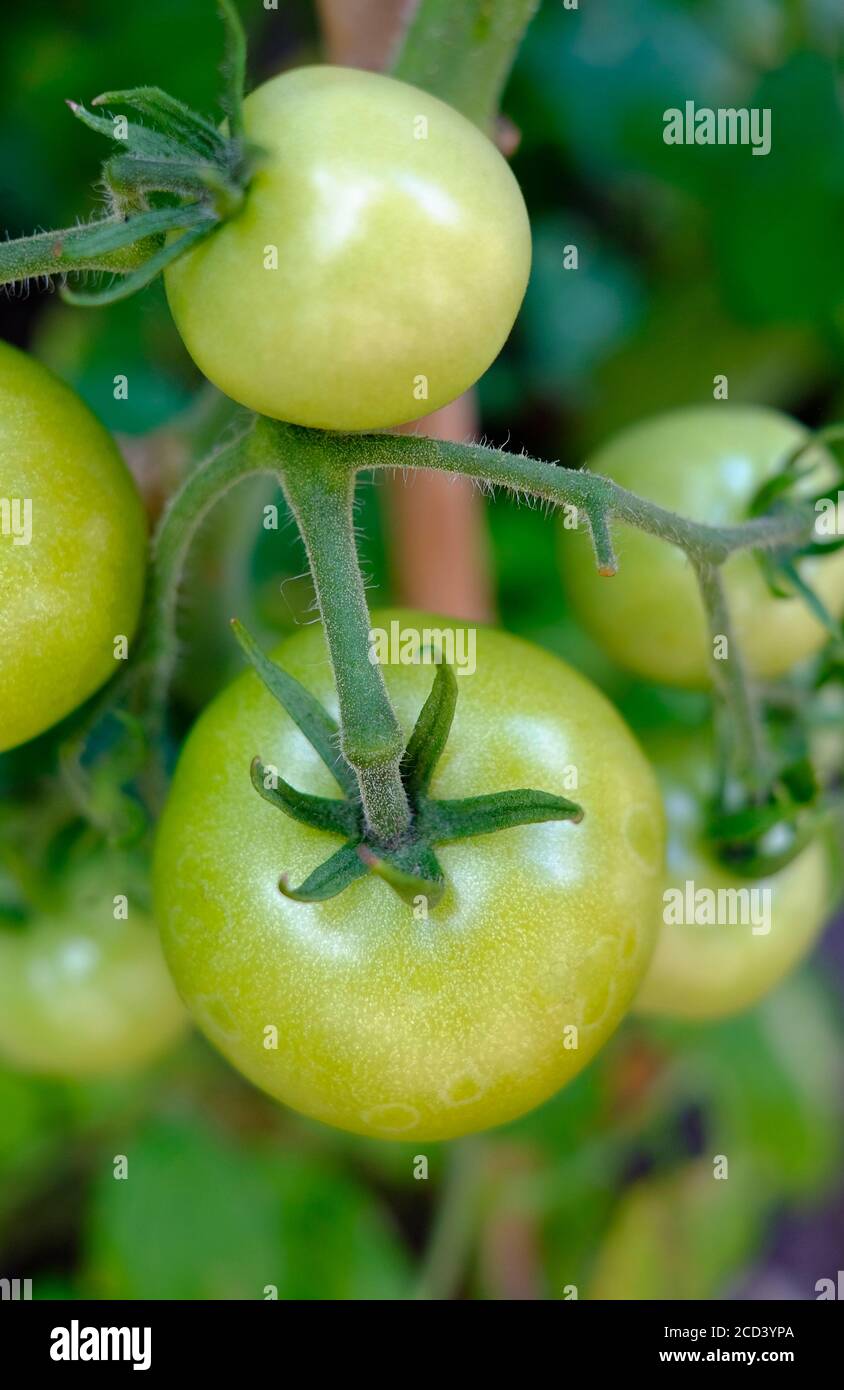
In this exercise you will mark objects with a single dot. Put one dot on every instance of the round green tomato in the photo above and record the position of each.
(84, 990)
(706, 462)
(376, 267)
(703, 970)
(72, 550)
(366, 1013)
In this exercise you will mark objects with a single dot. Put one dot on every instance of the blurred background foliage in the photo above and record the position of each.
(713, 262)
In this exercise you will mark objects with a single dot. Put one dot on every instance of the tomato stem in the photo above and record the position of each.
(462, 51)
(319, 488)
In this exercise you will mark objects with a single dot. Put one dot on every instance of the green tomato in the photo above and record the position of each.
(84, 990)
(366, 1013)
(705, 462)
(700, 970)
(72, 550)
(376, 267)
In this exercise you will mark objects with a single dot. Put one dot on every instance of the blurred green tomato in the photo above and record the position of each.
(705, 462)
(366, 1013)
(72, 550)
(83, 992)
(700, 970)
(376, 267)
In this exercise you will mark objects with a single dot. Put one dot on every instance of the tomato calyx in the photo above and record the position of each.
(789, 487)
(409, 866)
(175, 172)
(759, 839)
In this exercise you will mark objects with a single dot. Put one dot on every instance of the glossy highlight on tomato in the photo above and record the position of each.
(83, 992)
(376, 267)
(367, 1014)
(72, 550)
(706, 463)
(704, 971)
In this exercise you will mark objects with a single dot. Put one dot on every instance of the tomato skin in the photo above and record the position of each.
(704, 972)
(705, 462)
(390, 1024)
(78, 583)
(398, 257)
(83, 994)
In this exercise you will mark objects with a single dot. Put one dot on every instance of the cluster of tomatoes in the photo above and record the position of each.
(401, 251)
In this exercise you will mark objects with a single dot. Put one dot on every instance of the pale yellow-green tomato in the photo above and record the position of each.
(72, 550)
(703, 969)
(84, 990)
(376, 266)
(376, 1016)
(706, 463)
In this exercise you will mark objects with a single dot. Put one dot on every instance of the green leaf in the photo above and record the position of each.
(201, 1218)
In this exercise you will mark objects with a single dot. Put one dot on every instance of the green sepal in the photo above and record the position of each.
(303, 708)
(329, 879)
(139, 139)
(442, 821)
(758, 840)
(430, 733)
(136, 279)
(134, 175)
(320, 812)
(811, 599)
(412, 871)
(173, 116)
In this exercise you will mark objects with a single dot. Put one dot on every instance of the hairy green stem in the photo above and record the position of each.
(596, 497)
(599, 501)
(233, 460)
(743, 734)
(319, 487)
(462, 51)
(56, 253)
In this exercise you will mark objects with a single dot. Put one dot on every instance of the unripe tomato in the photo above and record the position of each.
(362, 1011)
(72, 550)
(376, 267)
(700, 970)
(84, 990)
(705, 462)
